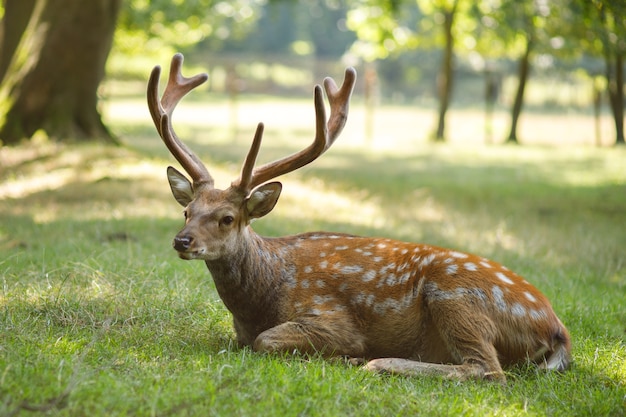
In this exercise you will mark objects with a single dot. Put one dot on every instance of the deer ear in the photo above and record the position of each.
(263, 199)
(180, 186)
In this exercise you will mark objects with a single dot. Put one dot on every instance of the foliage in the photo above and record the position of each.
(603, 25)
(382, 28)
(154, 25)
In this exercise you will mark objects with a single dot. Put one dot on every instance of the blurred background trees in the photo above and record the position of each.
(413, 52)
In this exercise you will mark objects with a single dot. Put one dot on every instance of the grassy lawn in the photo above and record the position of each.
(98, 316)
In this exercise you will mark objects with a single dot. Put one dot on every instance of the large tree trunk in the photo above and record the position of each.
(52, 79)
(524, 71)
(16, 17)
(444, 80)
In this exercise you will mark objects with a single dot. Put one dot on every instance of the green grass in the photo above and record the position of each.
(98, 316)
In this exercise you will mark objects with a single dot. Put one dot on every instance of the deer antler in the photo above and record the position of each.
(161, 110)
(325, 135)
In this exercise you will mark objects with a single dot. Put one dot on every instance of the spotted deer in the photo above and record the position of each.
(405, 308)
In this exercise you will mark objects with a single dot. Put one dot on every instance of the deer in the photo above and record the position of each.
(394, 307)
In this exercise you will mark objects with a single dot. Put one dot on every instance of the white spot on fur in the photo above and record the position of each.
(518, 310)
(305, 283)
(452, 269)
(381, 246)
(504, 278)
(377, 258)
(344, 247)
(369, 276)
(458, 255)
(391, 280)
(427, 260)
(308, 269)
(351, 269)
(485, 264)
(530, 297)
(470, 266)
(387, 267)
(537, 314)
(320, 283)
(322, 299)
(323, 264)
(498, 298)
(362, 298)
(322, 254)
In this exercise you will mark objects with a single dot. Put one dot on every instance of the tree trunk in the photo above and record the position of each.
(492, 90)
(52, 80)
(16, 17)
(444, 81)
(615, 87)
(524, 71)
(597, 108)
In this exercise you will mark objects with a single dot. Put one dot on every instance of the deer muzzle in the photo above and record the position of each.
(182, 243)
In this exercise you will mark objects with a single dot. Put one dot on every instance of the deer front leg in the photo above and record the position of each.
(311, 337)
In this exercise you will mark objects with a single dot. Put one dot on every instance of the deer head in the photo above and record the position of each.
(216, 219)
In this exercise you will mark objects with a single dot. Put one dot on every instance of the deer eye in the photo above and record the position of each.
(227, 220)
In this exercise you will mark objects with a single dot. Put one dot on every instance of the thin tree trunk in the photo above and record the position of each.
(524, 71)
(597, 107)
(492, 89)
(52, 79)
(615, 88)
(444, 81)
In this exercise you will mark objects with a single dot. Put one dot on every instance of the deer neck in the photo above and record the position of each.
(248, 280)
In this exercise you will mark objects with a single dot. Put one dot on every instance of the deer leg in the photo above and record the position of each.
(467, 336)
(408, 367)
(309, 337)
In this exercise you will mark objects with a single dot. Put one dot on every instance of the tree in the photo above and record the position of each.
(445, 11)
(513, 29)
(384, 26)
(53, 54)
(52, 65)
(606, 37)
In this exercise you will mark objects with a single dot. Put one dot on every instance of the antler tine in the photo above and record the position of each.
(325, 134)
(161, 111)
(248, 165)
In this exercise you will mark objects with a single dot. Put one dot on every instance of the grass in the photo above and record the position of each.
(98, 316)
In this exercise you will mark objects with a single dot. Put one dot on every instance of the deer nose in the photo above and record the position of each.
(182, 243)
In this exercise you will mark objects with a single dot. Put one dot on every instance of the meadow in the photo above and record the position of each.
(98, 316)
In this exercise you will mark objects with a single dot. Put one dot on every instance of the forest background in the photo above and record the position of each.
(546, 55)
